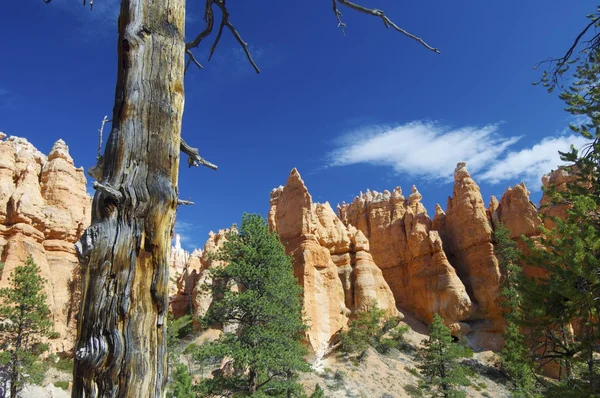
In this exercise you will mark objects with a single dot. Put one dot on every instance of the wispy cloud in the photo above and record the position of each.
(530, 164)
(187, 232)
(430, 150)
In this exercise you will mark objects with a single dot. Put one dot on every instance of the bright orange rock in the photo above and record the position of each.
(44, 208)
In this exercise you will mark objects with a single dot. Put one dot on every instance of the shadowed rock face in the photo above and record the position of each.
(410, 253)
(44, 208)
(189, 296)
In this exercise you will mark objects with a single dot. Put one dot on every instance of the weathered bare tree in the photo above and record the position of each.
(120, 350)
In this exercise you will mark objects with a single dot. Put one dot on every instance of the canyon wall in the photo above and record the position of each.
(447, 265)
(44, 209)
(384, 248)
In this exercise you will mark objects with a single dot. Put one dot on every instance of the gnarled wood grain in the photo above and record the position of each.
(120, 349)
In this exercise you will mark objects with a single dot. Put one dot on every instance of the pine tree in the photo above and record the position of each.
(181, 386)
(265, 350)
(515, 352)
(364, 331)
(440, 366)
(318, 392)
(176, 329)
(24, 320)
(563, 308)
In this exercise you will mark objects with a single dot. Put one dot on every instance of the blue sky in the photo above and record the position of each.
(371, 109)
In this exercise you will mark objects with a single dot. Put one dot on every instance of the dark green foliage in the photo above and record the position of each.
(413, 390)
(563, 308)
(176, 330)
(364, 331)
(25, 321)
(369, 329)
(393, 339)
(190, 349)
(516, 360)
(318, 392)
(64, 365)
(181, 385)
(62, 384)
(265, 310)
(441, 368)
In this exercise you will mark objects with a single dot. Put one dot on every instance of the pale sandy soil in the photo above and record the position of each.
(391, 375)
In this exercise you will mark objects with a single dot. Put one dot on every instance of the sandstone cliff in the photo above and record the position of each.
(410, 254)
(332, 262)
(384, 248)
(44, 208)
(190, 297)
(448, 265)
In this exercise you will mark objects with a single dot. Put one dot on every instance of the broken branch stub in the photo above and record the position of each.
(194, 158)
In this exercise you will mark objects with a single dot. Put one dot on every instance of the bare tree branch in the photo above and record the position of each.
(184, 202)
(109, 191)
(209, 19)
(192, 59)
(194, 158)
(224, 16)
(225, 21)
(380, 14)
(101, 130)
(559, 63)
(339, 16)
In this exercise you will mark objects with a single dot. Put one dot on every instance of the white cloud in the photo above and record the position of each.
(530, 164)
(424, 149)
(187, 234)
(430, 150)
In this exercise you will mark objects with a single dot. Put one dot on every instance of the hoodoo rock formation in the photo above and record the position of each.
(384, 248)
(44, 208)
(469, 233)
(448, 265)
(410, 254)
(332, 262)
(190, 298)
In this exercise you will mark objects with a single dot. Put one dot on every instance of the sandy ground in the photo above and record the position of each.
(396, 374)
(376, 376)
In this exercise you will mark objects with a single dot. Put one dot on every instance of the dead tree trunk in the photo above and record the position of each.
(120, 350)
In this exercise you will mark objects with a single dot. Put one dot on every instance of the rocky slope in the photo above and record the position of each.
(44, 208)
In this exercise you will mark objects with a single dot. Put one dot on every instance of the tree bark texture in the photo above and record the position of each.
(121, 339)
